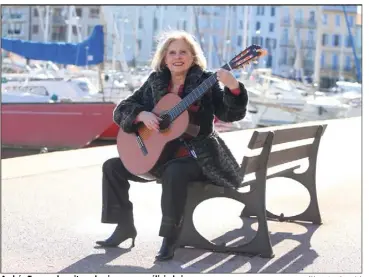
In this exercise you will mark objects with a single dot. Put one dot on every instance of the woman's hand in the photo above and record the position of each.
(227, 78)
(150, 120)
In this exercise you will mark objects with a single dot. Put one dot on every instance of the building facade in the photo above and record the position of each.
(299, 39)
(49, 23)
(337, 57)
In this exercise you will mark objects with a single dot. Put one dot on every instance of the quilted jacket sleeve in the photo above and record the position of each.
(127, 110)
(228, 106)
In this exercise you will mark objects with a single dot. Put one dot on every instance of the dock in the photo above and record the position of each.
(51, 210)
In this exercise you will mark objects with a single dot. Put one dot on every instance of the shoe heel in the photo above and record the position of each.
(133, 242)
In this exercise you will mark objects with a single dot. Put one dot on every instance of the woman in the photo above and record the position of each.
(179, 67)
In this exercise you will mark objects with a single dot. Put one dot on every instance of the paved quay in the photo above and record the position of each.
(51, 205)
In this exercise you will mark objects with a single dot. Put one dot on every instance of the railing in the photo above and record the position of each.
(305, 23)
(285, 21)
(288, 43)
(58, 19)
(308, 64)
(309, 44)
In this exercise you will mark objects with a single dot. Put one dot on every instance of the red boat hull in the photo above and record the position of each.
(111, 133)
(54, 125)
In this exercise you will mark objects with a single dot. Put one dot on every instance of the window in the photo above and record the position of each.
(89, 30)
(260, 10)
(271, 27)
(59, 33)
(267, 43)
(139, 44)
(325, 39)
(34, 29)
(241, 24)
(35, 12)
(335, 61)
(348, 41)
(312, 16)
(79, 12)
(311, 37)
(322, 60)
(258, 26)
(336, 40)
(94, 13)
(272, 11)
(325, 19)
(284, 56)
(239, 41)
(58, 12)
(338, 20)
(140, 22)
(155, 23)
(351, 20)
(299, 15)
(260, 40)
(285, 35)
(184, 25)
(348, 63)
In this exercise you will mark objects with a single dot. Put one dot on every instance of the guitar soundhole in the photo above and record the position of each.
(165, 122)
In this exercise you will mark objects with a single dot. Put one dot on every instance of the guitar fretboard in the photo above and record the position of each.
(192, 97)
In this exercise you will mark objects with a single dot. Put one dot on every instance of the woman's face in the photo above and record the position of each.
(179, 57)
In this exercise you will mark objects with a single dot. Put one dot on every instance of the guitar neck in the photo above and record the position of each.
(194, 96)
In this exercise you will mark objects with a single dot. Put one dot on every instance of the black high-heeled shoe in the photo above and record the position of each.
(121, 233)
(167, 249)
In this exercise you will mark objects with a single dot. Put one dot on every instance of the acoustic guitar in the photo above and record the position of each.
(141, 150)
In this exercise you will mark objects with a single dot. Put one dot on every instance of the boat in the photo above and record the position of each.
(279, 101)
(51, 112)
(55, 126)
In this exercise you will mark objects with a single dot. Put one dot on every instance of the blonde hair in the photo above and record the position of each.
(167, 38)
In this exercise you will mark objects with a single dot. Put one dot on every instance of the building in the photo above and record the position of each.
(49, 23)
(132, 30)
(15, 22)
(263, 29)
(337, 57)
(358, 40)
(311, 34)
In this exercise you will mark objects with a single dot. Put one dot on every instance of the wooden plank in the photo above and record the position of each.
(284, 135)
(279, 157)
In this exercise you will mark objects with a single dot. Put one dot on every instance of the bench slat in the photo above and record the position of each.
(284, 135)
(279, 157)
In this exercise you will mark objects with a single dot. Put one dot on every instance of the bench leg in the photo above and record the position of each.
(259, 245)
(307, 179)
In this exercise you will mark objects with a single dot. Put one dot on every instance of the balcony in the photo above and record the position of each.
(349, 9)
(288, 62)
(306, 23)
(58, 20)
(285, 43)
(308, 64)
(285, 21)
(310, 44)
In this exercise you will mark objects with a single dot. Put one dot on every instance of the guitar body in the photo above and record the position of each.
(133, 157)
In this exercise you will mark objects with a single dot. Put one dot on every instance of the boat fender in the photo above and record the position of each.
(54, 97)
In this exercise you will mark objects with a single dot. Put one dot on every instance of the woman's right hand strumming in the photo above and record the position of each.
(150, 120)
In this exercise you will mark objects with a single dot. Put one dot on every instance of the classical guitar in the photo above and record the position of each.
(141, 150)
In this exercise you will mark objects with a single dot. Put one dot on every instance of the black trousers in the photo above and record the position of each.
(174, 179)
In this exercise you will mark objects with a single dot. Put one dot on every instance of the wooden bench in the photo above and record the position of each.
(254, 199)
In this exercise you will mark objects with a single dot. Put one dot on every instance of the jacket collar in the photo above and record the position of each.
(160, 82)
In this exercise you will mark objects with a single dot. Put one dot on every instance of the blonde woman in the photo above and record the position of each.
(179, 66)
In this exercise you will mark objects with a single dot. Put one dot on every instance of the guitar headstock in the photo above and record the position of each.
(250, 54)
